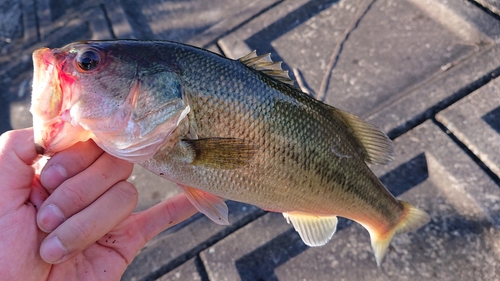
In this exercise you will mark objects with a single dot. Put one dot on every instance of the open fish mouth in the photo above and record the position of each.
(52, 126)
(46, 96)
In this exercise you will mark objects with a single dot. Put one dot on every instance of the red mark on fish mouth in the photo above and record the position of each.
(64, 78)
(44, 145)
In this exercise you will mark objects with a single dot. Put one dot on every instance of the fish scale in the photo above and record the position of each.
(284, 124)
(221, 128)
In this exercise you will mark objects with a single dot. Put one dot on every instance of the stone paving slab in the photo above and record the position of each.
(174, 246)
(474, 120)
(187, 271)
(231, 21)
(397, 49)
(492, 5)
(253, 251)
(183, 20)
(444, 89)
(461, 242)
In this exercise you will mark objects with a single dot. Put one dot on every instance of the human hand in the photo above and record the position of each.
(82, 203)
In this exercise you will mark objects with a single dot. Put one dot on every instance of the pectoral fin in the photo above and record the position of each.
(314, 231)
(212, 206)
(221, 153)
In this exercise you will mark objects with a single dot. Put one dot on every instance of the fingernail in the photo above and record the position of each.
(49, 218)
(53, 176)
(52, 250)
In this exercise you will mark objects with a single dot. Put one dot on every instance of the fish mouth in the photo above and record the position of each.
(43, 105)
(39, 149)
(54, 135)
(50, 106)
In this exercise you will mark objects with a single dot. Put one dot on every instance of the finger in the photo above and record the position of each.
(81, 190)
(17, 154)
(38, 193)
(86, 227)
(164, 215)
(134, 232)
(69, 162)
(18, 145)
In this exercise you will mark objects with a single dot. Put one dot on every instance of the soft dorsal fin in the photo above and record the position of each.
(377, 147)
(264, 64)
(313, 230)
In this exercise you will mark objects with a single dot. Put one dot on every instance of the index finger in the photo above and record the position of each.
(69, 162)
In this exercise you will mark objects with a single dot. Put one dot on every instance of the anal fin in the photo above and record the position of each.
(212, 206)
(314, 230)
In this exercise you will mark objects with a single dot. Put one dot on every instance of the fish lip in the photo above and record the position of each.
(42, 63)
(48, 137)
(43, 73)
(42, 143)
(46, 127)
(39, 149)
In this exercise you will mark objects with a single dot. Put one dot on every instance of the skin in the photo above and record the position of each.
(80, 183)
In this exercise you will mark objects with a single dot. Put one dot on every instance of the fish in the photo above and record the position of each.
(221, 129)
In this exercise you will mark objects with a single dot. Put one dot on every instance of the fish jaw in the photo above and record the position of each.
(52, 96)
(55, 135)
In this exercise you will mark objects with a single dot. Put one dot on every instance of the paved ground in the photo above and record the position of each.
(422, 70)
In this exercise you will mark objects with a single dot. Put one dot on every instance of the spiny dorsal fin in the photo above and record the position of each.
(376, 145)
(264, 64)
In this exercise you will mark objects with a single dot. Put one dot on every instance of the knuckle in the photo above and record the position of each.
(120, 167)
(128, 167)
(76, 195)
(127, 191)
(82, 230)
(80, 159)
(76, 158)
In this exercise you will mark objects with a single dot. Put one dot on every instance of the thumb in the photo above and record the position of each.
(17, 154)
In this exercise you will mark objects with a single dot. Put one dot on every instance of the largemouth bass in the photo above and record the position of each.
(220, 128)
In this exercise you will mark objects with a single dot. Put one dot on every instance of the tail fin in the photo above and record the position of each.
(411, 219)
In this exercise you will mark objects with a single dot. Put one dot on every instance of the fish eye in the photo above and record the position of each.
(88, 60)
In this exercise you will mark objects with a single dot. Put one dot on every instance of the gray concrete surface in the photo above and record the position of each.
(474, 120)
(422, 70)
